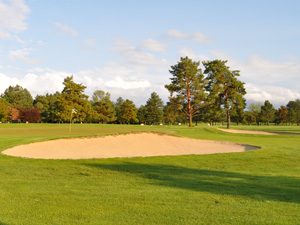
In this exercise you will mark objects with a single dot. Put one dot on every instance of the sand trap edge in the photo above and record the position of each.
(128, 145)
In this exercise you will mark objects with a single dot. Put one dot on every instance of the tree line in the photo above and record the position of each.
(214, 95)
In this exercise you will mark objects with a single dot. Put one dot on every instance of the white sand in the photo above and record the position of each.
(130, 145)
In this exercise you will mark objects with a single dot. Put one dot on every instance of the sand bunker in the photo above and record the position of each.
(249, 132)
(130, 145)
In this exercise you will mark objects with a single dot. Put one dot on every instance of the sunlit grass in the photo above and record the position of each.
(255, 187)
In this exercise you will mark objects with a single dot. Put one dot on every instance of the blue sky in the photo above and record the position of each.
(127, 47)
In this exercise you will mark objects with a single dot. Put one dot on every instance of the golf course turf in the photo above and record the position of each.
(254, 187)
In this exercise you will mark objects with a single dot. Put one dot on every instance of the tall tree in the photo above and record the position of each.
(171, 113)
(18, 97)
(47, 105)
(224, 88)
(118, 106)
(128, 112)
(103, 106)
(154, 108)
(254, 111)
(267, 113)
(4, 109)
(294, 110)
(142, 114)
(72, 102)
(281, 115)
(187, 87)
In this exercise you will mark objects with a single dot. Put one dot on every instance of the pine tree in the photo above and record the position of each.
(187, 87)
(224, 88)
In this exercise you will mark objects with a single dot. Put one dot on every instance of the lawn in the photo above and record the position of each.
(255, 187)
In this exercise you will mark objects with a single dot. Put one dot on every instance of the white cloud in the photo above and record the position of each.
(121, 83)
(264, 79)
(139, 59)
(7, 81)
(66, 29)
(187, 52)
(12, 17)
(257, 69)
(196, 36)
(155, 46)
(22, 55)
(275, 94)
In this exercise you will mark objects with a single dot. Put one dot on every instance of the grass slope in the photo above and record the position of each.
(256, 187)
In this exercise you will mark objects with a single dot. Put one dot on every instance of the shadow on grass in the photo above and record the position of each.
(275, 188)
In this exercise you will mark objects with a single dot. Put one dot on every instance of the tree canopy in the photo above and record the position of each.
(187, 87)
(224, 88)
(18, 97)
(72, 99)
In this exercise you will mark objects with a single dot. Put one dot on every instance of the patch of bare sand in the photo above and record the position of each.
(248, 132)
(130, 145)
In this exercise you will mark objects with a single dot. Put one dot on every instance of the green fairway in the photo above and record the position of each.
(277, 128)
(255, 187)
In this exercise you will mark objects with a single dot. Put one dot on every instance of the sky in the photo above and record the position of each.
(127, 47)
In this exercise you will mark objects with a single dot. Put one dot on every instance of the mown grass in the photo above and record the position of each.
(255, 187)
(273, 128)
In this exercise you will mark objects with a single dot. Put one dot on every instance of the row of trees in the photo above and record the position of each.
(266, 113)
(216, 97)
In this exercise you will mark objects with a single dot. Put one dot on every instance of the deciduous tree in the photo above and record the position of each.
(129, 112)
(18, 97)
(281, 114)
(142, 114)
(103, 106)
(267, 113)
(31, 115)
(4, 108)
(294, 110)
(171, 113)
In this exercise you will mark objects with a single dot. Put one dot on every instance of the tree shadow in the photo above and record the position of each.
(275, 188)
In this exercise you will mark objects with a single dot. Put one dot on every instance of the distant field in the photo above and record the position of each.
(255, 187)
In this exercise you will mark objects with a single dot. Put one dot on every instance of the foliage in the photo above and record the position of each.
(13, 114)
(4, 108)
(103, 106)
(72, 97)
(128, 112)
(224, 88)
(118, 108)
(18, 97)
(171, 113)
(31, 115)
(187, 87)
(250, 118)
(154, 107)
(281, 114)
(267, 113)
(47, 105)
(254, 112)
(294, 111)
(142, 114)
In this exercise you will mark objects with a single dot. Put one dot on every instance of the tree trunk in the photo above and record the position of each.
(228, 119)
(190, 122)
